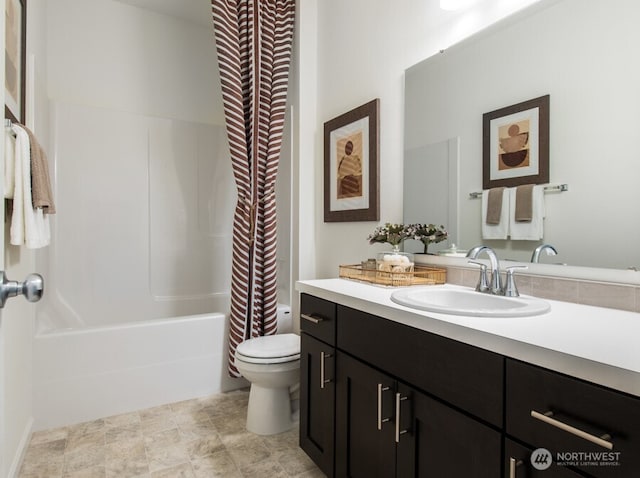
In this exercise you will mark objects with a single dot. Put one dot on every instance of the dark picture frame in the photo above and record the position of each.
(351, 163)
(515, 144)
(15, 59)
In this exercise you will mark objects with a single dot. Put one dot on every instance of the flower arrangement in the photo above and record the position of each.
(394, 234)
(427, 234)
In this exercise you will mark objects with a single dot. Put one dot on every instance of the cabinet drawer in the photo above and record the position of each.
(318, 318)
(584, 407)
(467, 377)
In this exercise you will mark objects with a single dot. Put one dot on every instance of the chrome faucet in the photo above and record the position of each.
(496, 282)
(548, 248)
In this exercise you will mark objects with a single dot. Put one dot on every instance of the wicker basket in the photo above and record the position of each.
(421, 275)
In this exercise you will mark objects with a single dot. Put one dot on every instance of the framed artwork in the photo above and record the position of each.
(15, 59)
(515, 144)
(351, 182)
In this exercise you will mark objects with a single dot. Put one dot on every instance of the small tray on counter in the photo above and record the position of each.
(421, 275)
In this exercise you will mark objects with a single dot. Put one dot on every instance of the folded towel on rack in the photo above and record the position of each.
(494, 205)
(501, 229)
(534, 229)
(9, 162)
(29, 225)
(40, 180)
(524, 203)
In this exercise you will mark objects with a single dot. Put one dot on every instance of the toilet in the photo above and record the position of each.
(272, 365)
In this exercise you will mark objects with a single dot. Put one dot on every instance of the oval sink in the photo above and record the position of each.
(462, 301)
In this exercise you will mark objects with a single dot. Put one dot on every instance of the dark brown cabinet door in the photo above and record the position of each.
(365, 446)
(517, 464)
(317, 401)
(385, 429)
(441, 442)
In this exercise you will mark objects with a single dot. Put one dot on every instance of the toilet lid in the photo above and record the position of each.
(283, 346)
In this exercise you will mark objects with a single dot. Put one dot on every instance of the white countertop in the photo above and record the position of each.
(593, 343)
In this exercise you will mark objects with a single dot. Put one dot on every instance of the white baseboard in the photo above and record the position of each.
(18, 457)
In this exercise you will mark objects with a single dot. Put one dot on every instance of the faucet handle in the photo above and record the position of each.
(483, 280)
(510, 289)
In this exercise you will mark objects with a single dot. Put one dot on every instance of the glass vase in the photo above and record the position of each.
(395, 261)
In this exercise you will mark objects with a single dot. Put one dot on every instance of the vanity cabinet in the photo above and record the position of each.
(380, 398)
(317, 384)
(385, 428)
(562, 414)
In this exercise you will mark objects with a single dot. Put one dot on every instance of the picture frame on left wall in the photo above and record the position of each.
(15, 59)
(351, 163)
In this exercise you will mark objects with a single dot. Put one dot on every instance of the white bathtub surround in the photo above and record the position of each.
(86, 374)
(163, 229)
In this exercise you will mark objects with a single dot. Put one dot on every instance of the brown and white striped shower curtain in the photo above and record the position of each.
(254, 41)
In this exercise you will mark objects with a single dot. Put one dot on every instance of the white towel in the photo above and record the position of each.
(500, 230)
(528, 231)
(9, 162)
(29, 227)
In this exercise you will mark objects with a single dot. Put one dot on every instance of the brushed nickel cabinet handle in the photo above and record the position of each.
(547, 417)
(513, 464)
(381, 388)
(311, 318)
(399, 400)
(323, 380)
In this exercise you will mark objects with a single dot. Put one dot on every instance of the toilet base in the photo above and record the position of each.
(269, 410)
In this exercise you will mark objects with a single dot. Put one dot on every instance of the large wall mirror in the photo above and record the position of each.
(583, 54)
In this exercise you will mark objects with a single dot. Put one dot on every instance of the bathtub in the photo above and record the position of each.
(95, 372)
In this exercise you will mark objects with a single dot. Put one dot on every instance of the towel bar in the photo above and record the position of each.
(547, 189)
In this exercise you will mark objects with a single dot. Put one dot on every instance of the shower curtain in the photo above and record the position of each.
(254, 41)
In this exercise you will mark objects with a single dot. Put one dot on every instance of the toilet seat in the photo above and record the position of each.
(279, 348)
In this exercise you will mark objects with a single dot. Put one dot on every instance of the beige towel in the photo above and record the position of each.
(524, 203)
(500, 230)
(42, 198)
(494, 206)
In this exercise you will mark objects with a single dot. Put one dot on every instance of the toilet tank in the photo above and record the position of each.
(285, 320)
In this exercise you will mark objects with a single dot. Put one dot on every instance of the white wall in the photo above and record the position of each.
(363, 48)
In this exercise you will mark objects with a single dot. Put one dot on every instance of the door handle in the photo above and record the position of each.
(604, 440)
(381, 388)
(32, 288)
(513, 464)
(323, 357)
(311, 318)
(399, 400)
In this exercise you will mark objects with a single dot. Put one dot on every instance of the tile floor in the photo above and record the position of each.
(191, 439)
